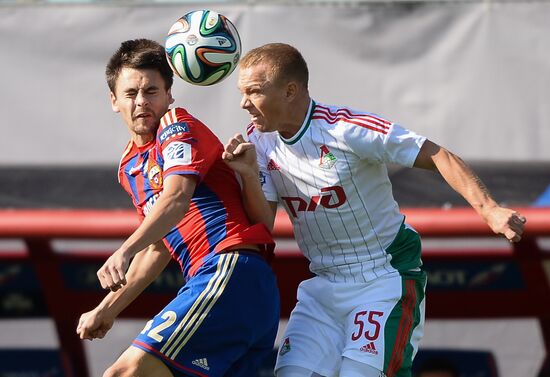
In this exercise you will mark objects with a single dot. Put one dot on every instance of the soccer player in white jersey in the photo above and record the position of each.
(363, 312)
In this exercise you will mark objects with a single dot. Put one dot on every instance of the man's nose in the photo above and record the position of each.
(244, 102)
(141, 99)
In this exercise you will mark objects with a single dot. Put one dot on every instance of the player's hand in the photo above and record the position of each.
(507, 222)
(112, 275)
(94, 325)
(240, 155)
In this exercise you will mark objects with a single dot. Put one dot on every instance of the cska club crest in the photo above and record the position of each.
(327, 160)
(155, 176)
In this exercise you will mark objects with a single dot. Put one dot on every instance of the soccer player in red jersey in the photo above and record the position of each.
(224, 319)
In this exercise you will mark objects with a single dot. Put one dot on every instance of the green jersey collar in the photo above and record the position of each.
(303, 128)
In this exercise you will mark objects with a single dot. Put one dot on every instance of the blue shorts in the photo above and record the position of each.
(223, 322)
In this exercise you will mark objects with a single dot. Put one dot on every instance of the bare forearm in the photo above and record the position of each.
(144, 269)
(257, 207)
(164, 215)
(241, 157)
(457, 174)
(464, 181)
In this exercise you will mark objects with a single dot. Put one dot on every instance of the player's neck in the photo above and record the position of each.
(296, 117)
(141, 140)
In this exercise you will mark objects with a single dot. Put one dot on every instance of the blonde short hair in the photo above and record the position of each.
(284, 61)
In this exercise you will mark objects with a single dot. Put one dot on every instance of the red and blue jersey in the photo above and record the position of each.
(216, 219)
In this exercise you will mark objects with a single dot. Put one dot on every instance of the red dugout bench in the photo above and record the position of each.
(474, 282)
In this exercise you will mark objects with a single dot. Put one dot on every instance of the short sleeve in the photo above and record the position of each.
(390, 144)
(186, 145)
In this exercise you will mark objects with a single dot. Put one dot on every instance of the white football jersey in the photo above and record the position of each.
(332, 179)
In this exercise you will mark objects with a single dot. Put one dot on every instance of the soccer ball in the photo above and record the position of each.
(203, 47)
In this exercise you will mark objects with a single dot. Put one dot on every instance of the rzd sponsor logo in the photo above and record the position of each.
(329, 197)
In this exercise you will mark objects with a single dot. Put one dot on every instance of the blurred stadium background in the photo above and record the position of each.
(471, 75)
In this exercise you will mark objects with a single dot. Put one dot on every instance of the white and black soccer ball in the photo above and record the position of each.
(203, 47)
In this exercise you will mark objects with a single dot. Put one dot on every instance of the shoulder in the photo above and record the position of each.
(127, 149)
(177, 116)
(178, 122)
(127, 155)
(351, 119)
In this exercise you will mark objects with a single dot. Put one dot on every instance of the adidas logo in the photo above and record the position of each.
(272, 165)
(369, 348)
(201, 363)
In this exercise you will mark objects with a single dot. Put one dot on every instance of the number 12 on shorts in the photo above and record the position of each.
(367, 324)
(169, 318)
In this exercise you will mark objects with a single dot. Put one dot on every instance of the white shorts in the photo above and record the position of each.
(378, 323)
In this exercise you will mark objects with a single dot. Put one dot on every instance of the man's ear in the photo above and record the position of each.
(291, 91)
(114, 103)
(172, 100)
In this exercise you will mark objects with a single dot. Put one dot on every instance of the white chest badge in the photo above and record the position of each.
(327, 160)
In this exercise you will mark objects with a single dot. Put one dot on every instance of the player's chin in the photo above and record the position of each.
(260, 126)
(146, 126)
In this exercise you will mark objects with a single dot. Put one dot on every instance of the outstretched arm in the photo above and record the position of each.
(463, 180)
(241, 157)
(167, 211)
(143, 270)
